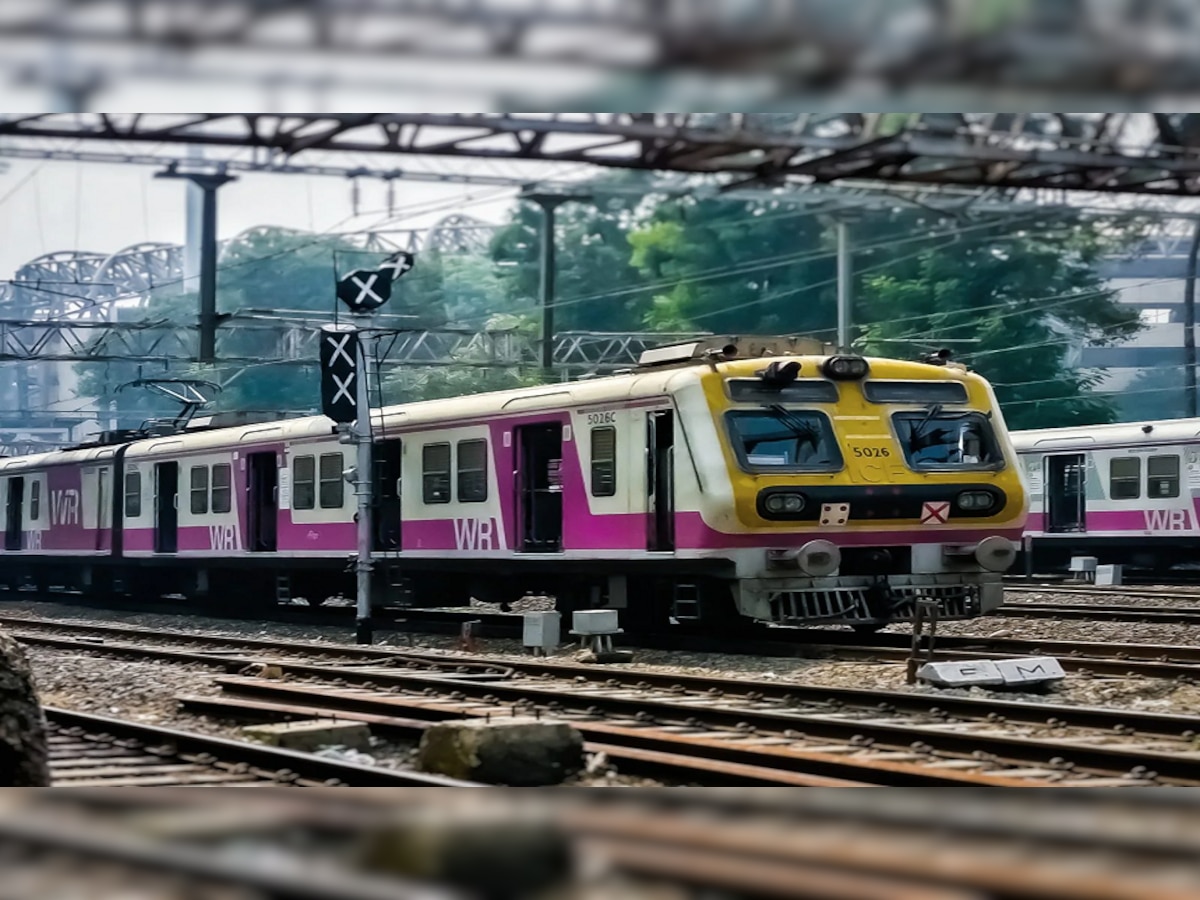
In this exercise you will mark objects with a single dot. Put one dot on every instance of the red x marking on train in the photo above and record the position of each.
(935, 513)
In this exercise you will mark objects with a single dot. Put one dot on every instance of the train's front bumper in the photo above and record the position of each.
(850, 600)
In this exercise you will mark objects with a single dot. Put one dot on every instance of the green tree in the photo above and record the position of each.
(596, 284)
(735, 266)
(269, 273)
(1015, 303)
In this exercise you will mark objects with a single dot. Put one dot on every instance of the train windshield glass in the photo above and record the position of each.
(780, 439)
(939, 439)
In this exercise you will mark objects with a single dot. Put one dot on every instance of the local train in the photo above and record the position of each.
(1126, 494)
(718, 482)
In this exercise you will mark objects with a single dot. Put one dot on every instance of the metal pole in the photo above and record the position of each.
(844, 286)
(548, 262)
(208, 274)
(209, 318)
(1189, 325)
(363, 630)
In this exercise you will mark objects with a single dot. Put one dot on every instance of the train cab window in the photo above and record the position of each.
(435, 473)
(199, 476)
(1162, 476)
(776, 439)
(604, 461)
(133, 495)
(35, 500)
(1125, 478)
(936, 439)
(472, 471)
(333, 485)
(222, 487)
(304, 482)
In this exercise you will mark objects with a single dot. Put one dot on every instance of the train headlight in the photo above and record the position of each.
(996, 554)
(975, 501)
(783, 504)
(845, 368)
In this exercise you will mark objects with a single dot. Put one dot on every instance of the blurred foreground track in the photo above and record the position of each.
(92, 751)
(879, 845)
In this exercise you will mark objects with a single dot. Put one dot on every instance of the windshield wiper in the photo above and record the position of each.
(918, 432)
(797, 426)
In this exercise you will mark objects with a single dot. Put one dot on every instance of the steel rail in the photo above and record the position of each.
(666, 712)
(692, 758)
(1097, 657)
(1101, 612)
(304, 766)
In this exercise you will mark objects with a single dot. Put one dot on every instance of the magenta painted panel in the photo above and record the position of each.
(63, 505)
(317, 535)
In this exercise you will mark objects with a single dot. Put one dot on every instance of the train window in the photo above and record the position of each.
(35, 500)
(222, 484)
(779, 439)
(435, 471)
(199, 490)
(472, 471)
(915, 391)
(1125, 478)
(304, 482)
(1162, 476)
(937, 439)
(133, 495)
(604, 461)
(333, 485)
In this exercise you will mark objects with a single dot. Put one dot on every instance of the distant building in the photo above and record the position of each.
(1148, 370)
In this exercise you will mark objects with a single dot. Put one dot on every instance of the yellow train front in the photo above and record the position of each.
(844, 489)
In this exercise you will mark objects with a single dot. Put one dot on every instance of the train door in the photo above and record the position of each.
(166, 507)
(13, 525)
(103, 510)
(660, 480)
(262, 501)
(388, 462)
(539, 487)
(1066, 492)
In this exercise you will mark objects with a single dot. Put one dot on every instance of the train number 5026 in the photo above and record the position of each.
(873, 452)
(601, 418)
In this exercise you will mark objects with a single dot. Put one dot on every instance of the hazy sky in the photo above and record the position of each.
(50, 206)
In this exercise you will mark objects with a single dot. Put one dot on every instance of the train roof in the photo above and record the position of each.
(1121, 434)
(618, 388)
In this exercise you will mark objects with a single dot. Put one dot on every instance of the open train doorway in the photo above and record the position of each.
(539, 486)
(262, 501)
(15, 505)
(166, 507)
(660, 480)
(1066, 492)
(389, 461)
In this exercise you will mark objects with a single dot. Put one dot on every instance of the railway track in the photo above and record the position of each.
(1095, 657)
(97, 751)
(695, 729)
(1101, 612)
